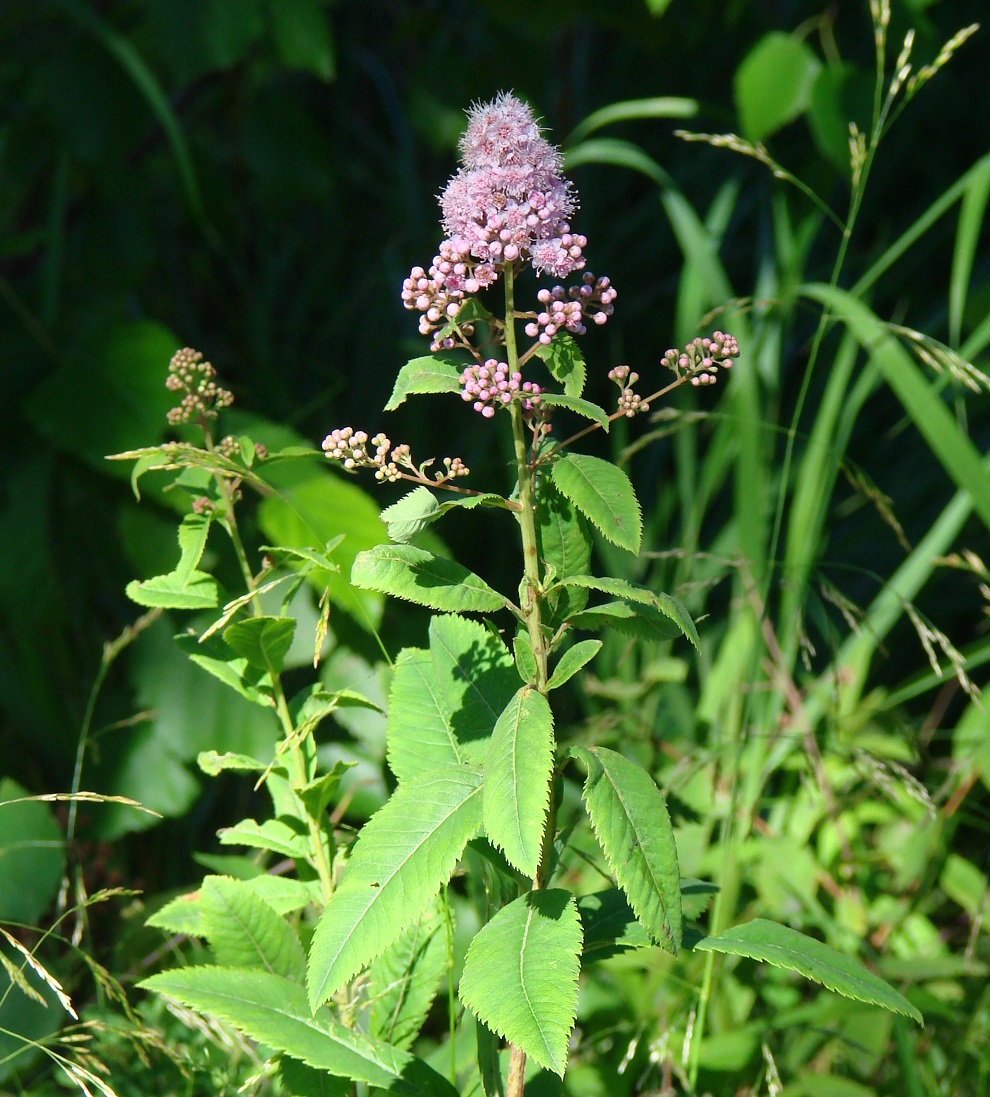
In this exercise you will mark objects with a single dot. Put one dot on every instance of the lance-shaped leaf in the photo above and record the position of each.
(572, 661)
(432, 373)
(418, 736)
(416, 575)
(275, 835)
(784, 947)
(637, 619)
(564, 543)
(667, 604)
(521, 974)
(517, 779)
(263, 641)
(476, 677)
(403, 981)
(630, 820)
(565, 361)
(274, 1011)
(604, 495)
(245, 932)
(405, 854)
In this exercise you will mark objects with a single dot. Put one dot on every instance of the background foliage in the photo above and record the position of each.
(254, 178)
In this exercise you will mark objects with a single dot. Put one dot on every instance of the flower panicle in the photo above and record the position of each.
(354, 450)
(702, 358)
(202, 397)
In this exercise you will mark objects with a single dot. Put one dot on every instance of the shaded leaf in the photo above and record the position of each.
(565, 362)
(573, 660)
(645, 622)
(667, 604)
(263, 641)
(416, 575)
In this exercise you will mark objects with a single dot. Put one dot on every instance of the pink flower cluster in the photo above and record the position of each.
(351, 448)
(202, 397)
(630, 403)
(508, 202)
(702, 358)
(567, 309)
(491, 385)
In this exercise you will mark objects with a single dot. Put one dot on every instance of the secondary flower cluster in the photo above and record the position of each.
(351, 448)
(492, 384)
(630, 403)
(567, 309)
(195, 379)
(701, 359)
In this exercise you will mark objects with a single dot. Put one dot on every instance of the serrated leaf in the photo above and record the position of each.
(638, 619)
(581, 407)
(517, 779)
(263, 641)
(245, 932)
(604, 495)
(432, 373)
(236, 673)
(573, 660)
(317, 794)
(610, 926)
(667, 604)
(417, 510)
(565, 362)
(274, 1011)
(521, 974)
(403, 981)
(194, 529)
(411, 514)
(284, 894)
(475, 677)
(784, 947)
(405, 854)
(299, 1080)
(630, 820)
(418, 576)
(179, 915)
(418, 735)
(197, 591)
(272, 834)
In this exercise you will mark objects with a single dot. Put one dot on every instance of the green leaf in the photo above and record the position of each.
(578, 406)
(784, 947)
(411, 514)
(416, 575)
(179, 915)
(565, 361)
(564, 543)
(630, 820)
(196, 591)
(263, 641)
(245, 932)
(212, 763)
(522, 650)
(194, 530)
(284, 894)
(773, 84)
(604, 495)
(521, 974)
(415, 511)
(475, 676)
(669, 606)
(274, 1011)
(301, 29)
(517, 779)
(272, 834)
(317, 794)
(418, 735)
(610, 926)
(572, 661)
(299, 1080)
(666, 106)
(433, 373)
(630, 618)
(405, 853)
(403, 981)
(32, 857)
